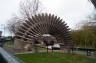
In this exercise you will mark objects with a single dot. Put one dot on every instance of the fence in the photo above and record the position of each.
(8, 58)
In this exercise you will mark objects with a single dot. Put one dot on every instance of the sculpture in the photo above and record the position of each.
(39, 25)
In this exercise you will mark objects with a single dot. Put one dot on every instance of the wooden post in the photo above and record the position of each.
(47, 48)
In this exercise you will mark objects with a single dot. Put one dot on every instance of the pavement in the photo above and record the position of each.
(12, 50)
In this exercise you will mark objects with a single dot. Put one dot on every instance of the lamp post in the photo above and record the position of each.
(3, 29)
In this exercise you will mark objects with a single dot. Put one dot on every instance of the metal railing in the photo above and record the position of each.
(9, 58)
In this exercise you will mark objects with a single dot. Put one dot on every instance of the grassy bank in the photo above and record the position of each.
(54, 58)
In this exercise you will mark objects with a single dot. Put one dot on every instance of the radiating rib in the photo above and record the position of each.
(44, 24)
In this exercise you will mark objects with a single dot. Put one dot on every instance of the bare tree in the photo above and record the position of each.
(27, 9)
(13, 24)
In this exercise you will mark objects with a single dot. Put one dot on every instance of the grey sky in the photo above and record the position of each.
(7, 8)
(72, 11)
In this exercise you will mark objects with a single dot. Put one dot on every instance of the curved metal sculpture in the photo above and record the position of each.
(43, 24)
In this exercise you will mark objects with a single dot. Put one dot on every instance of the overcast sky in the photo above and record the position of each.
(71, 11)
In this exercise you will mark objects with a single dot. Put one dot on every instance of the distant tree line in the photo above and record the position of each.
(85, 36)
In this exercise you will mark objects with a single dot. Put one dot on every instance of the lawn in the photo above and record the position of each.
(38, 47)
(54, 58)
(9, 43)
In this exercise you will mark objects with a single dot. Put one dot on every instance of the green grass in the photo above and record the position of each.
(38, 47)
(9, 43)
(54, 58)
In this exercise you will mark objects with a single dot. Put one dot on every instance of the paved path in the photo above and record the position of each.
(15, 51)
